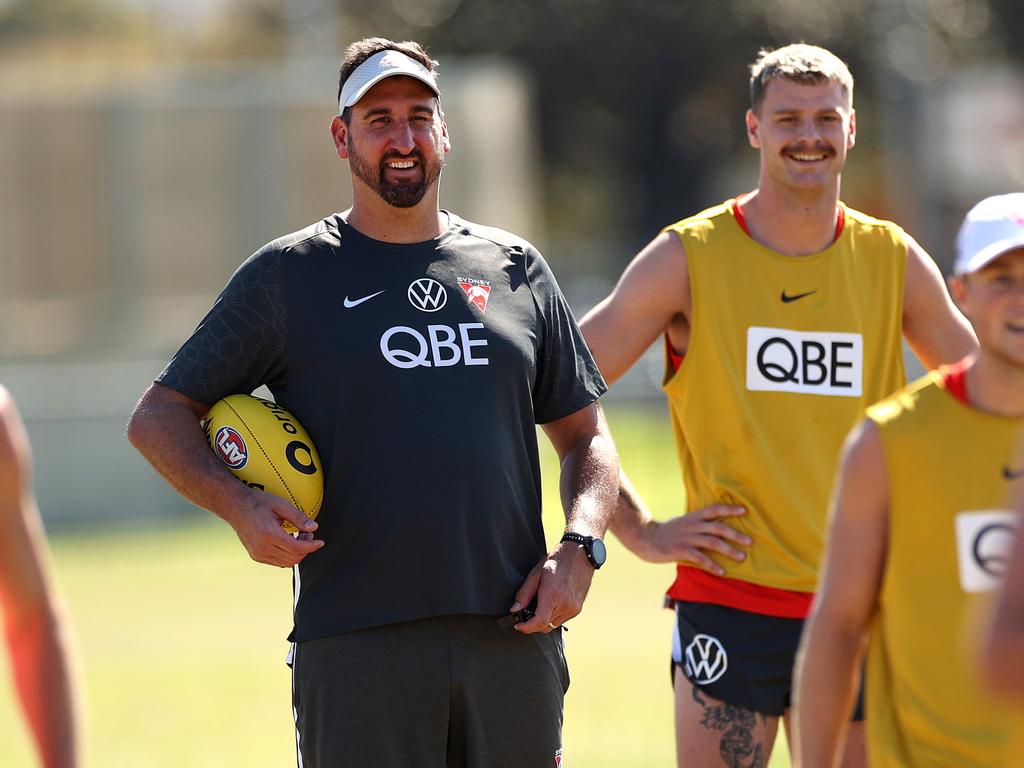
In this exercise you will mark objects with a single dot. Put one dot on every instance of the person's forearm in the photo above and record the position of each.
(631, 518)
(168, 435)
(1004, 661)
(43, 676)
(1003, 649)
(826, 686)
(589, 484)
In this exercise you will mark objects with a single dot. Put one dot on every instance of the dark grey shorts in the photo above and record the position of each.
(445, 692)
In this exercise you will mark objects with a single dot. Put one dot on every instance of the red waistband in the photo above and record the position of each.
(697, 586)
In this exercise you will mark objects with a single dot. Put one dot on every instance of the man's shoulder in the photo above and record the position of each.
(500, 237)
(912, 403)
(320, 234)
(270, 258)
(859, 221)
(705, 220)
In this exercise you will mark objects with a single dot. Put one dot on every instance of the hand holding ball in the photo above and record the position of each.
(266, 448)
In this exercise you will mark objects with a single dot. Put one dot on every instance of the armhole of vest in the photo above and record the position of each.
(672, 377)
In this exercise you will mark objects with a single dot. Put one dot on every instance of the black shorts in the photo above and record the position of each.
(444, 692)
(744, 659)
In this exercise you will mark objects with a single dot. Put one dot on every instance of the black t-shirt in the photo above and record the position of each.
(420, 371)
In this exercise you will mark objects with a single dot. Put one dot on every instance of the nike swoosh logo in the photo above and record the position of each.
(786, 298)
(349, 303)
(1009, 474)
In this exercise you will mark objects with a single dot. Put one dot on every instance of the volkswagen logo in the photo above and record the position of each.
(706, 659)
(427, 295)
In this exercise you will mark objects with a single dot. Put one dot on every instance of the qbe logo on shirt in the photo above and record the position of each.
(983, 543)
(812, 363)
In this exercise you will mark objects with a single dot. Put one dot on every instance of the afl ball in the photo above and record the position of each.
(266, 448)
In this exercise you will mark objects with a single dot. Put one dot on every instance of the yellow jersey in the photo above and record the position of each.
(785, 353)
(951, 468)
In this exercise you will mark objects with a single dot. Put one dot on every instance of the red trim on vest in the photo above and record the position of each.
(674, 358)
(697, 586)
(737, 211)
(954, 378)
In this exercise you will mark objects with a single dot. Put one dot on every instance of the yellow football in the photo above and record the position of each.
(266, 448)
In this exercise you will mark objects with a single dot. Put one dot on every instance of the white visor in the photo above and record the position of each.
(382, 64)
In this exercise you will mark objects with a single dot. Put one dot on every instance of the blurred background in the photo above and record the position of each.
(148, 146)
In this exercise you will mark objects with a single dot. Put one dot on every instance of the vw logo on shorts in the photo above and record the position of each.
(706, 659)
(427, 295)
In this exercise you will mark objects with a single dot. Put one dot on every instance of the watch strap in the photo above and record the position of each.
(587, 542)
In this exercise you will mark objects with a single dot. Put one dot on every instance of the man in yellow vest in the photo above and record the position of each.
(920, 535)
(781, 312)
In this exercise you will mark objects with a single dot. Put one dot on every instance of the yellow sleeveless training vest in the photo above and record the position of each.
(785, 354)
(950, 470)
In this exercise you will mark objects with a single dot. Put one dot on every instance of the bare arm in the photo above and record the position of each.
(933, 326)
(40, 651)
(164, 427)
(588, 480)
(652, 292)
(833, 641)
(1003, 659)
(681, 539)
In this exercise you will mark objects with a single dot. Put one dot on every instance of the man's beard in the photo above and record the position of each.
(398, 194)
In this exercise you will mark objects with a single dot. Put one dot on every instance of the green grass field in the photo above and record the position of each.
(182, 641)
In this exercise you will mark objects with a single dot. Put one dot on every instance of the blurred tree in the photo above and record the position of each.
(639, 106)
(23, 19)
(638, 110)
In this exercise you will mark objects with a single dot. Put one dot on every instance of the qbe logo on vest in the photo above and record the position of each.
(811, 363)
(706, 659)
(983, 543)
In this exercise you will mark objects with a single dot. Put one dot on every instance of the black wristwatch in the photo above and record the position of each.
(593, 546)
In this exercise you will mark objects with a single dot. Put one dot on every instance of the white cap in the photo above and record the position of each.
(990, 229)
(382, 64)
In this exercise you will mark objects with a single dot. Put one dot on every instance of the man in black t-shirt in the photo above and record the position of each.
(419, 350)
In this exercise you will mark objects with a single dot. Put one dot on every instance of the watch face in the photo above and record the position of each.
(599, 553)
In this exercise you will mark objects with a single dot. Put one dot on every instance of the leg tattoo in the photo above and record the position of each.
(737, 724)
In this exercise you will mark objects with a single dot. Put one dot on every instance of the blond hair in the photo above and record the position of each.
(801, 63)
